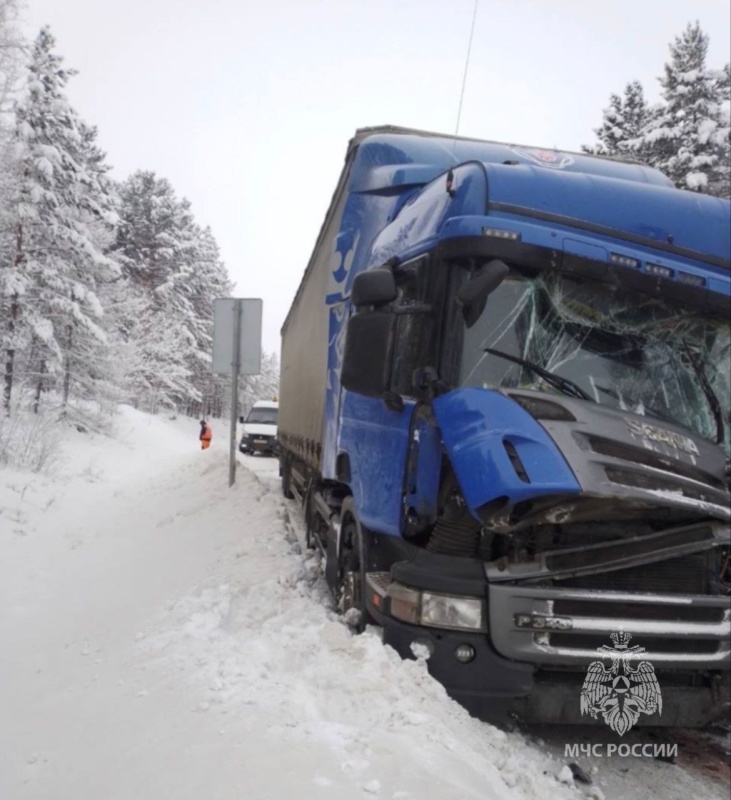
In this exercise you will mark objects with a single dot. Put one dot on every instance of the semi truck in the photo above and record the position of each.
(504, 407)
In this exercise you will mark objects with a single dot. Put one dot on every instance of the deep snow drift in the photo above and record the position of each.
(165, 637)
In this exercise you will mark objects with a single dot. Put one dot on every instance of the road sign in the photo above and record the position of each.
(225, 319)
(236, 351)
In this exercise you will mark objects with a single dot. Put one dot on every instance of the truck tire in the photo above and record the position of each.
(310, 516)
(352, 571)
(287, 479)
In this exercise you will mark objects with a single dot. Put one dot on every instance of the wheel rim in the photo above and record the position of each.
(351, 592)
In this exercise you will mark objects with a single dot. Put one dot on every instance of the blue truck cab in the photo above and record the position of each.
(504, 405)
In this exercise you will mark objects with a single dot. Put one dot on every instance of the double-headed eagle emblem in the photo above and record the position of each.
(620, 692)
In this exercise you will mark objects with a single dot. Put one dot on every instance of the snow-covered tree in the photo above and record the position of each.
(688, 135)
(209, 281)
(11, 54)
(60, 204)
(689, 138)
(624, 120)
(86, 358)
(154, 246)
(264, 386)
(175, 265)
(149, 354)
(11, 58)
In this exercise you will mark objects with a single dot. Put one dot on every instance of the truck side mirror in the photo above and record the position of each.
(367, 356)
(377, 287)
(241, 420)
(473, 294)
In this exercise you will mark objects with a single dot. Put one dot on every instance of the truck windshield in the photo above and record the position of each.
(263, 416)
(622, 348)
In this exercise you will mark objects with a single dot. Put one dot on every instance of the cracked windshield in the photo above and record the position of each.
(619, 348)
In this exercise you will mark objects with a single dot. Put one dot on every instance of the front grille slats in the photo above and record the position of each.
(624, 452)
(678, 630)
(653, 646)
(624, 610)
(658, 483)
(686, 575)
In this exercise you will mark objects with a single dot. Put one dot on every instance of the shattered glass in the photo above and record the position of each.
(626, 350)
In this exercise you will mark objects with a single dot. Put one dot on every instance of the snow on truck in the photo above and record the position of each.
(504, 405)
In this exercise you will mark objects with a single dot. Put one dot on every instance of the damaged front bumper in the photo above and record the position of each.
(668, 590)
(497, 689)
(547, 620)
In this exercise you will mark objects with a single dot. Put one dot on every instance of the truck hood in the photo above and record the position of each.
(585, 463)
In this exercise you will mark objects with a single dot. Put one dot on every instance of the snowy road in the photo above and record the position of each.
(164, 637)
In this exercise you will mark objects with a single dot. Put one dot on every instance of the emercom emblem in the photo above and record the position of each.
(622, 691)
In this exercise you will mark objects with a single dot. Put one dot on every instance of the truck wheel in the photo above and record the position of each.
(351, 576)
(310, 516)
(287, 480)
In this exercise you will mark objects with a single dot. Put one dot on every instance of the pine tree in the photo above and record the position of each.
(11, 62)
(153, 244)
(176, 266)
(86, 357)
(52, 275)
(624, 121)
(11, 54)
(209, 281)
(689, 138)
(264, 386)
(149, 353)
(720, 181)
(611, 133)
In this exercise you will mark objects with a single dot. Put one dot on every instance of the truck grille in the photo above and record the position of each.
(646, 611)
(687, 575)
(662, 645)
(653, 483)
(637, 455)
(678, 631)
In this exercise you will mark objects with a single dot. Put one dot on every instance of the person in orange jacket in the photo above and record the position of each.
(206, 435)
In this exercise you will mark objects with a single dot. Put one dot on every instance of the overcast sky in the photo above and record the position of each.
(247, 107)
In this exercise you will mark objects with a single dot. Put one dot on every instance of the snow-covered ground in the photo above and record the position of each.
(164, 636)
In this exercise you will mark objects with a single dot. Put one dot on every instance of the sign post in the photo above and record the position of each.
(236, 351)
(234, 390)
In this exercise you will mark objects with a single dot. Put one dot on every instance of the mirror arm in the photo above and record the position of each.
(427, 380)
(420, 308)
(394, 401)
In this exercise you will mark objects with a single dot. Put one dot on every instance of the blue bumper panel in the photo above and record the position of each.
(476, 426)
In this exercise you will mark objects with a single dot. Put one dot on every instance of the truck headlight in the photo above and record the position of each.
(443, 611)
(436, 610)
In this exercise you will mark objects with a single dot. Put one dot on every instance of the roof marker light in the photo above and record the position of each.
(499, 233)
(623, 261)
(691, 280)
(659, 270)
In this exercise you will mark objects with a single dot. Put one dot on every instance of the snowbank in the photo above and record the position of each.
(164, 636)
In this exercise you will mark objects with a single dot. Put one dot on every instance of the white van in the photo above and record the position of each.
(260, 429)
